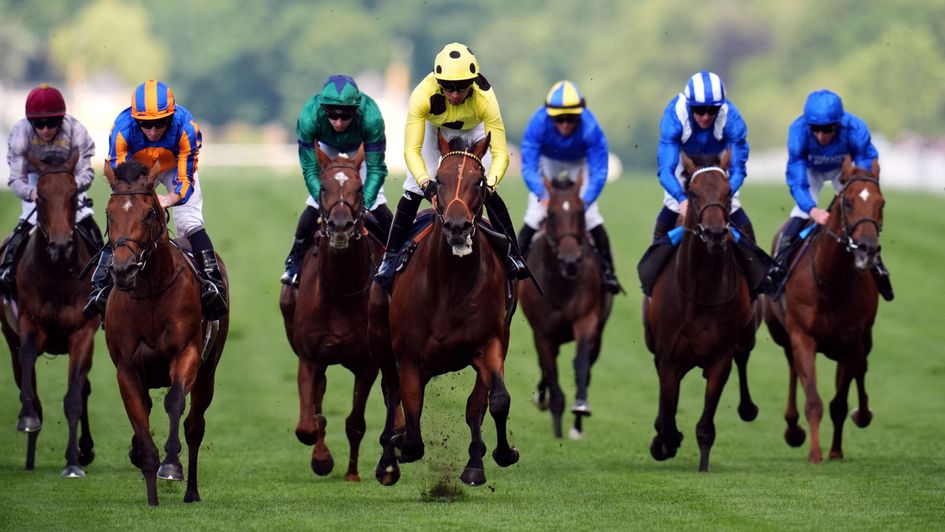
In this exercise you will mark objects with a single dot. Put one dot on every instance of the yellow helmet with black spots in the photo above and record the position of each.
(455, 62)
(564, 98)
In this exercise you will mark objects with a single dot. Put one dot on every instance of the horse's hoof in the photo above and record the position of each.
(387, 476)
(794, 436)
(748, 411)
(815, 456)
(352, 477)
(192, 496)
(661, 452)
(473, 476)
(307, 437)
(541, 401)
(861, 418)
(836, 455)
(575, 434)
(507, 458)
(411, 452)
(323, 467)
(86, 457)
(170, 472)
(29, 424)
(581, 408)
(72, 471)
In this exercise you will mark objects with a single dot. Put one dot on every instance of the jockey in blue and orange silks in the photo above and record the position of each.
(818, 142)
(156, 129)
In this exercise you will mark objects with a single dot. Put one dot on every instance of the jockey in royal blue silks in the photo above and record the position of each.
(563, 137)
(818, 142)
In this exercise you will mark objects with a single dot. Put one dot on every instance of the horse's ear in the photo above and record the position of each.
(874, 168)
(846, 170)
(546, 182)
(480, 148)
(359, 157)
(579, 181)
(153, 173)
(688, 165)
(110, 174)
(725, 159)
(40, 166)
(323, 159)
(443, 144)
(73, 160)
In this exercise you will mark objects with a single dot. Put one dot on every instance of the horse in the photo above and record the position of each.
(574, 306)
(154, 328)
(51, 290)
(326, 316)
(829, 305)
(700, 313)
(448, 310)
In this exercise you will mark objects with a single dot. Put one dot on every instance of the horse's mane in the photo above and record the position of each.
(562, 181)
(54, 160)
(459, 144)
(130, 172)
(703, 160)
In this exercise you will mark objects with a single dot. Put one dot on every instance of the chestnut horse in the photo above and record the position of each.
(326, 316)
(448, 311)
(829, 305)
(154, 328)
(51, 290)
(573, 307)
(701, 312)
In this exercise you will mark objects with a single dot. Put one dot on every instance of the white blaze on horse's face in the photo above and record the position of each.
(127, 205)
(865, 195)
(566, 206)
(341, 178)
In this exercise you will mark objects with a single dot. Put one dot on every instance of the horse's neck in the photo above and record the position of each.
(345, 269)
(831, 263)
(448, 269)
(564, 287)
(703, 276)
(161, 265)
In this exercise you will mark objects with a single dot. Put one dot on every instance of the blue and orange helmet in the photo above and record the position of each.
(705, 88)
(152, 100)
(823, 108)
(564, 98)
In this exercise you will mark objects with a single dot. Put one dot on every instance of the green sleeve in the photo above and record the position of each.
(375, 144)
(305, 131)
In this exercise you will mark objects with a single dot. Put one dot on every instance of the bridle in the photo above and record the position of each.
(39, 197)
(154, 237)
(437, 207)
(846, 240)
(554, 238)
(325, 213)
(700, 230)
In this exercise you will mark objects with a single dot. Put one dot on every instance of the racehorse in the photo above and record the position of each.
(51, 290)
(154, 328)
(326, 316)
(701, 312)
(448, 310)
(829, 305)
(573, 307)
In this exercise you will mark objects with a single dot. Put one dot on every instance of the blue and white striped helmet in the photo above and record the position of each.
(705, 88)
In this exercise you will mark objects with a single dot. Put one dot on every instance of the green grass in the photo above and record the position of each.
(254, 474)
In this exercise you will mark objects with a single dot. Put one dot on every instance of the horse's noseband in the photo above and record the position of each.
(141, 259)
(325, 214)
(847, 240)
(700, 229)
(437, 207)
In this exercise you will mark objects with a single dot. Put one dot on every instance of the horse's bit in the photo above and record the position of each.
(148, 247)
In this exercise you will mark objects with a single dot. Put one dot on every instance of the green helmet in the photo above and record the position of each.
(341, 90)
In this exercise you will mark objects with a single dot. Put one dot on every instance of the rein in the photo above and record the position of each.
(700, 230)
(146, 247)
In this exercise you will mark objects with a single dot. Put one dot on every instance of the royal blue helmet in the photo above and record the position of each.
(822, 108)
(705, 88)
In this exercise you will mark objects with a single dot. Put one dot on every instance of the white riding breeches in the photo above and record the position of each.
(815, 181)
(430, 151)
(28, 208)
(332, 152)
(552, 168)
(673, 205)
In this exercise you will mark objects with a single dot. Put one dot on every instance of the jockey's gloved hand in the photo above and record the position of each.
(429, 190)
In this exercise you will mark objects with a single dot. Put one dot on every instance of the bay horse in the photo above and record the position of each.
(51, 291)
(154, 328)
(447, 311)
(701, 313)
(574, 305)
(829, 305)
(326, 316)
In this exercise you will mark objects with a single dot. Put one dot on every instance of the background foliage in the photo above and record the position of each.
(257, 62)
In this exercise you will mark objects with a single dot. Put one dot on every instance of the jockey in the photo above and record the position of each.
(454, 100)
(338, 120)
(153, 129)
(818, 142)
(46, 131)
(700, 120)
(563, 136)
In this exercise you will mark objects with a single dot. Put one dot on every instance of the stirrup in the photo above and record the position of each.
(515, 267)
(611, 284)
(291, 276)
(97, 302)
(212, 301)
(385, 272)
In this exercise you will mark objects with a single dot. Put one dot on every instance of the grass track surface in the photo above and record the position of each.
(254, 474)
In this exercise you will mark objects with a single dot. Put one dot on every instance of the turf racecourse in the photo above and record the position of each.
(254, 474)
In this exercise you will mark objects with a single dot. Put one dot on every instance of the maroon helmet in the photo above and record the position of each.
(45, 102)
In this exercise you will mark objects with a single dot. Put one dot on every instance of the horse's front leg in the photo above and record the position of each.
(474, 473)
(803, 348)
(862, 416)
(839, 407)
(491, 369)
(34, 342)
(412, 387)
(143, 454)
(585, 331)
(716, 376)
(365, 373)
(794, 434)
(183, 373)
(74, 404)
(387, 471)
(322, 462)
(548, 362)
(36, 405)
(668, 438)
(201, 395)
(747, 409)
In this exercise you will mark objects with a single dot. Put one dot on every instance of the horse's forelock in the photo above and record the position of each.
(702, 160)
(54, 160)
(459, 144)
(130, 172)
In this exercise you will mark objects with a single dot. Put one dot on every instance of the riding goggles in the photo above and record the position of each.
(158, 123)
(828, 128)
(46, 123)
(710, 110)
(339, 113)
(455, 86)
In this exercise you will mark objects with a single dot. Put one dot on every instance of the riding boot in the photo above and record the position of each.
(781, 255)
(384, 217)
(101, 285)
(293, 263)
(525, 240)
(8, 266)
(602, 244)
(881, 276)
(92, 234)
(403, 221)
(499, 216)
(665, 222)
(212, 290)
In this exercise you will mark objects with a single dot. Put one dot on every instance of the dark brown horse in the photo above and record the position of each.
(326, 316)
(829, 305)
(51, 291)
(154, 328)
(701, 312)
(573, 307)
(448, 311)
